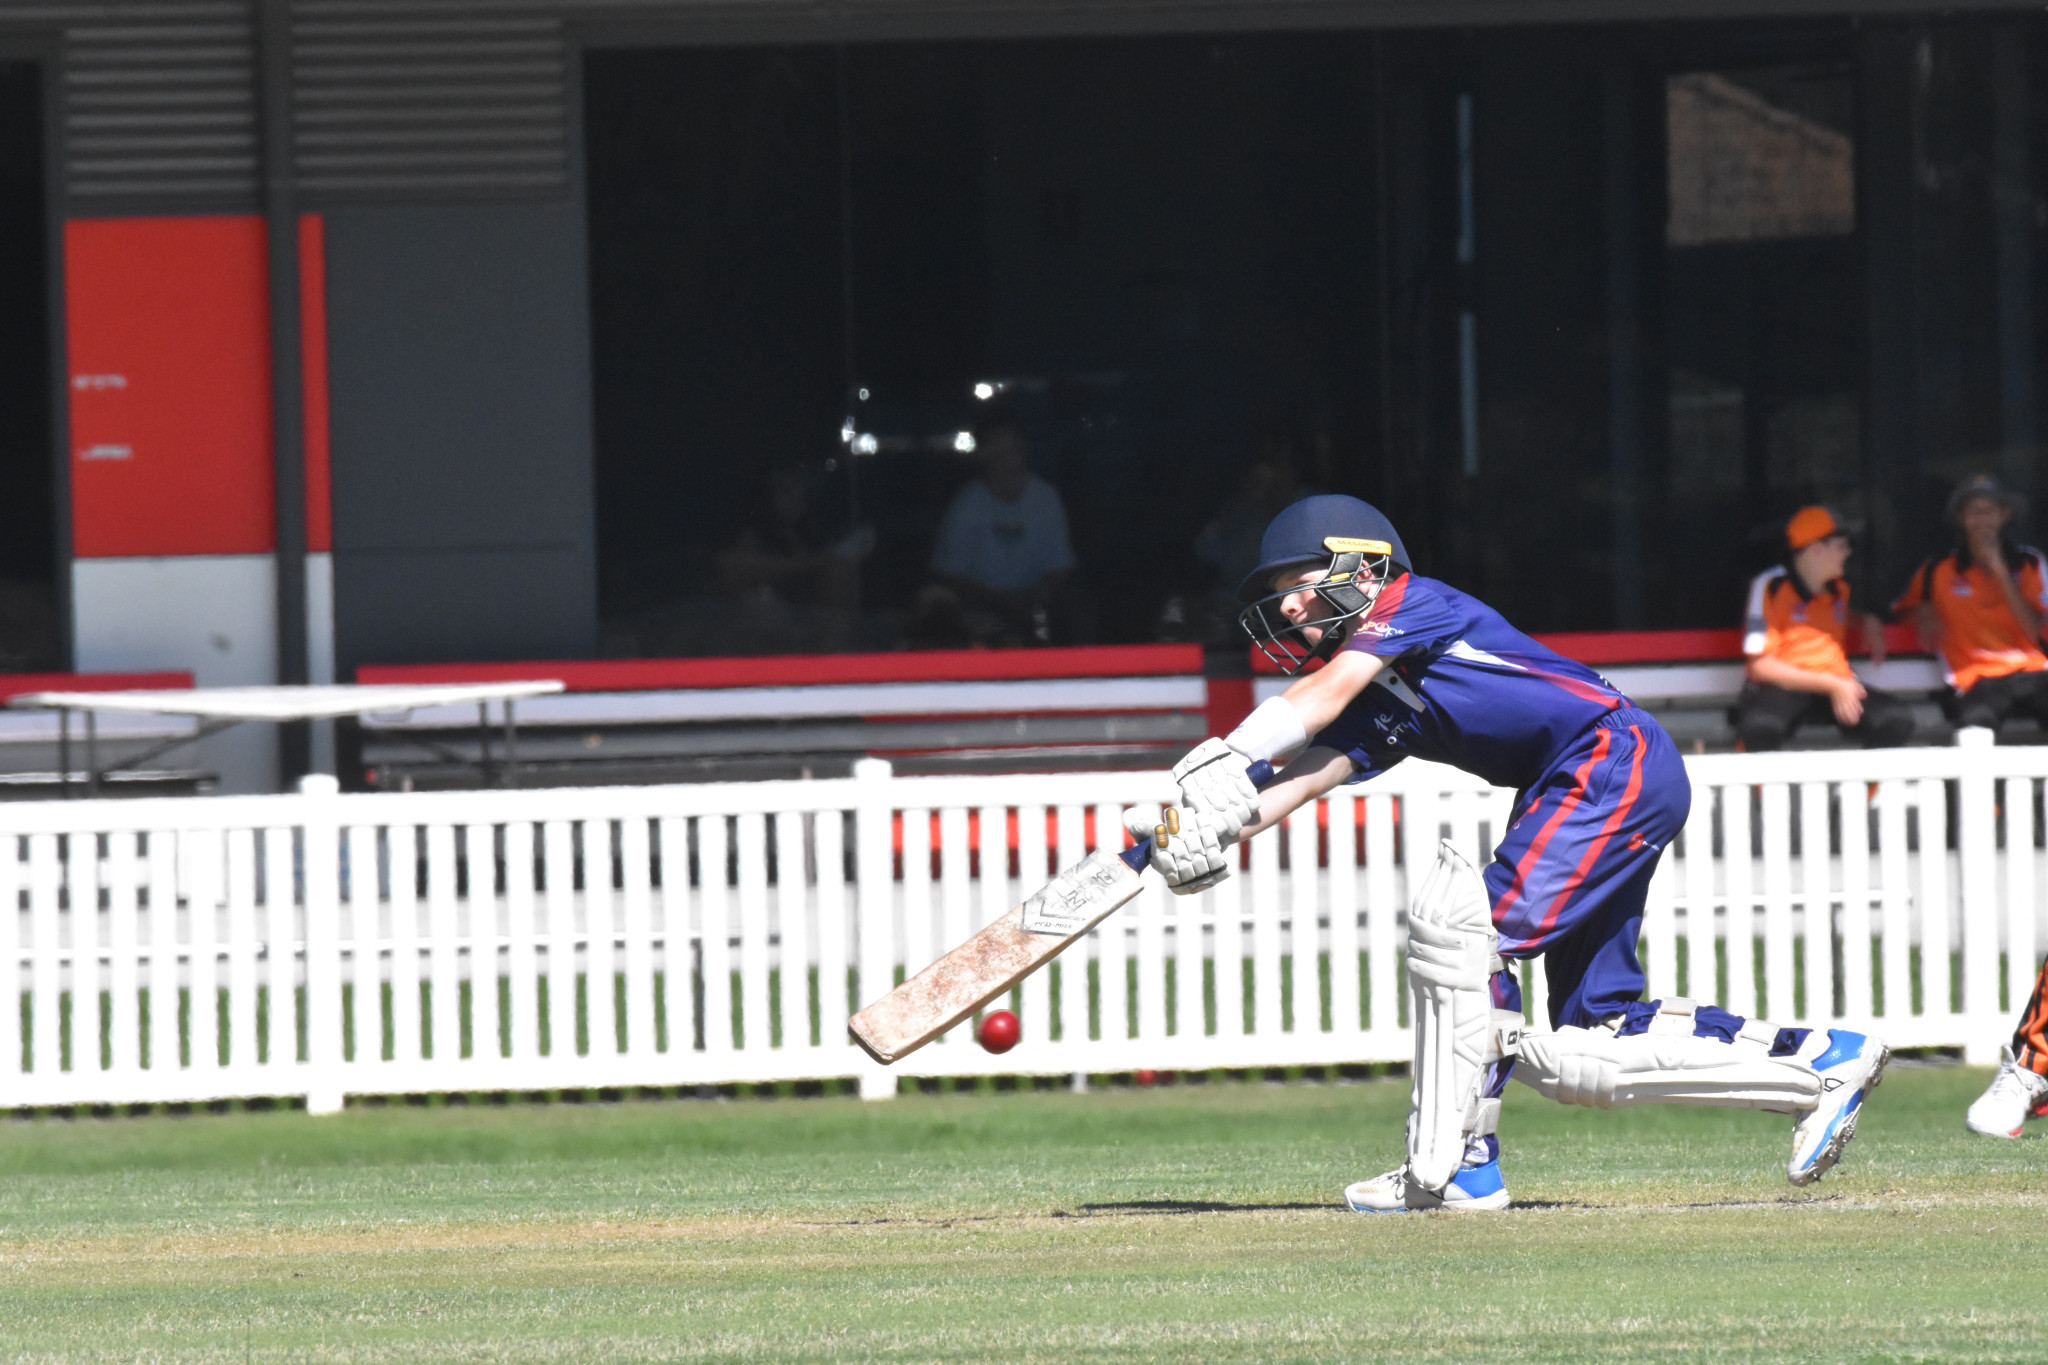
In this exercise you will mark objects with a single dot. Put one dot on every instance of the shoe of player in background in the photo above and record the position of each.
(1849, 1070)
(2015, 1095)
(1476, 1188)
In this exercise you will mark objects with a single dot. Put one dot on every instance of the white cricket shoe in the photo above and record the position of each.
(2015, 1095)
(1849, 1070)
(1474, 1189)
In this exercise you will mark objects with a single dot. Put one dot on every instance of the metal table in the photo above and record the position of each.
(217, 708)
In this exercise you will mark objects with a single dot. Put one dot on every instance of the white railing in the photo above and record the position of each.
(319, 945)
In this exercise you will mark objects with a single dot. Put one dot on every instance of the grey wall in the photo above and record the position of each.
(459, 374)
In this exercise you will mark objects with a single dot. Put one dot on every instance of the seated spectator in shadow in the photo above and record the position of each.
(795, 577)
(1229, 542)
(1795, 638)
(1981, 608)
(1002, 559)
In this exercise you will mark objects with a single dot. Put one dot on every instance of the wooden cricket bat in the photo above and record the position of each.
(1002, 954)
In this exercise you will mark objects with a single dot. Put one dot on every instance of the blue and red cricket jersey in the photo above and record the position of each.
(1600, 789)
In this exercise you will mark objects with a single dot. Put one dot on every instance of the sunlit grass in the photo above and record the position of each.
(1182, 1223)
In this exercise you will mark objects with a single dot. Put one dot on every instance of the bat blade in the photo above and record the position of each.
(996, 958)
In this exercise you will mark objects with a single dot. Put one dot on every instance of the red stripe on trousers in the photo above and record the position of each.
(1542, 839)
(1578, 877)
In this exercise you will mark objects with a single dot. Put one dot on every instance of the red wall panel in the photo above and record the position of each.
(313, 366)
(168, 336)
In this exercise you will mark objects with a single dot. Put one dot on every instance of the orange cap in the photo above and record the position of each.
(1809, 524)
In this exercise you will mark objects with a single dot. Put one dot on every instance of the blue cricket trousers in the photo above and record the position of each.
(1570, 877)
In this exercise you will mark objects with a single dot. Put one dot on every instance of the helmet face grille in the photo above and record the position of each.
(1344, 593)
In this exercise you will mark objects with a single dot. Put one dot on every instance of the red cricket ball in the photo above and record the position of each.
(1145, 1077)
(1000, 1031)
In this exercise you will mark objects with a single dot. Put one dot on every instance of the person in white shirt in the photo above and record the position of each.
(1002, 552)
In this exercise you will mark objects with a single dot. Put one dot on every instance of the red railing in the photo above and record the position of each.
(788, 670)
(21, 684)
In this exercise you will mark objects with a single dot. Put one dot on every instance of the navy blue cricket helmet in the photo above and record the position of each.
(1358, 551)
(1296, 537)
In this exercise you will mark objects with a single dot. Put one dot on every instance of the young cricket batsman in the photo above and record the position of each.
(1412, 666)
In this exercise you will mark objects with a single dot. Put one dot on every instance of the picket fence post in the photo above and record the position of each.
(321, 830)
(874, 902)
(1977, 853)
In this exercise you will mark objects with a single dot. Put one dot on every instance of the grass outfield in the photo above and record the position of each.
(1187, 1223)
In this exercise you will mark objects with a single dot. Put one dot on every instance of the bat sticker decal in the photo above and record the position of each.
(1072, 901)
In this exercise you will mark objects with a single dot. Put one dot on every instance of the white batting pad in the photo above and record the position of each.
(1450, 955)
(1667, 1065)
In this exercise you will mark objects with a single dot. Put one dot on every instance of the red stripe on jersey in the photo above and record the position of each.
(1584, 691)
(1388, 602)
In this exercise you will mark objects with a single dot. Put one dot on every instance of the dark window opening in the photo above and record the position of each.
(1766, 313)
(31, 638)
(1156, 257)
(1588, 310)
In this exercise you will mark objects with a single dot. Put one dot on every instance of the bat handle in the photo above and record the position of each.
(1136, 855)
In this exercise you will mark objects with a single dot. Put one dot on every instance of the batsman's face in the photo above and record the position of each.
(1302, 603)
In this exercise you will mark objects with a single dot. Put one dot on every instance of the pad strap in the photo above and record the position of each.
(1507, 1034)
(1758, 1034)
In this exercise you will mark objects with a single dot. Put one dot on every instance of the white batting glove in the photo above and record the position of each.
(1214, 786)
(1192, 859)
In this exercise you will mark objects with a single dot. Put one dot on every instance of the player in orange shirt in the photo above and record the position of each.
(2020, 1089)
(1795, 639)
(1982, 608)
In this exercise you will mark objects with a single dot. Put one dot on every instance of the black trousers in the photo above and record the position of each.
(1993, 700)
(1766, 717)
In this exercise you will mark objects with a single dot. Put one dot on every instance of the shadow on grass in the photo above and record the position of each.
(1157, 1207)
(1783, 1201)
(1154, 1208)
(1178, 1206)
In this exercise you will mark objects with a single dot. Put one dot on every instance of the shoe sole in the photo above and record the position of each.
(1990, 1132)
(1831, 1151)
(1491, 1203)
(1486, 1203)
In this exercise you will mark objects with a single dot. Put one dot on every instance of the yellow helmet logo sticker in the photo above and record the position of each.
(1343, 545)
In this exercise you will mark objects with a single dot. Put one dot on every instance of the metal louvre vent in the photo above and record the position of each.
(427, 100)
(159, 104)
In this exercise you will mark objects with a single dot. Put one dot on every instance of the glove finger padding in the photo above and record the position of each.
(1213, 782)
(1194, 859)
(1141, 821)
(1221, 874)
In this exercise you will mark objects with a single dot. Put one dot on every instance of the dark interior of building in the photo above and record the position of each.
(29, 636)
(1159, 249)
(1587, 310)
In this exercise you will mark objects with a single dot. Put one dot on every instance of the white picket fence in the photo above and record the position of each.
(324, 945)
